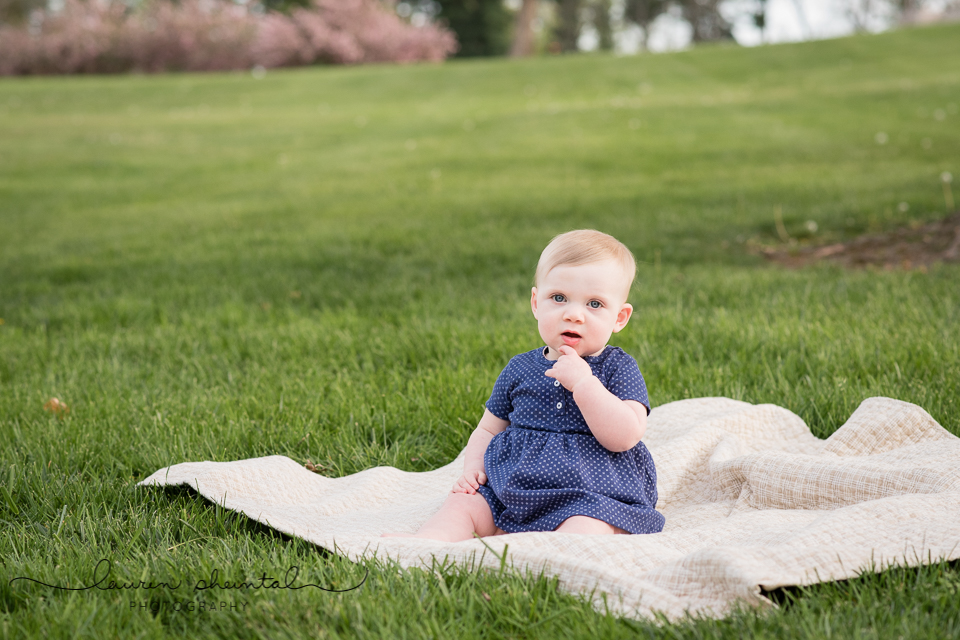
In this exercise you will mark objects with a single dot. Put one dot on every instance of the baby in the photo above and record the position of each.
(558, 447)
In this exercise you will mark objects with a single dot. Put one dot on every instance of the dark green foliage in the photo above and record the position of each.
(285, 6)
(482, 26)
(18, 11)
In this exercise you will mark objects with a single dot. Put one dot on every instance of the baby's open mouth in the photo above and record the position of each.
(570, 337)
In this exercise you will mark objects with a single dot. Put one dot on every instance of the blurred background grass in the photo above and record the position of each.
(334, 264)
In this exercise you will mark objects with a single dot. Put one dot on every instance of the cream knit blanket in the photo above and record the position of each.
(752, 499)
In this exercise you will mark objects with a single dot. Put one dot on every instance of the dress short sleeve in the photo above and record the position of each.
(622, 378)
(499, 403)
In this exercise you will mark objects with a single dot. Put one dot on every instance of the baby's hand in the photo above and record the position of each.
(570, 368)
(469, 482)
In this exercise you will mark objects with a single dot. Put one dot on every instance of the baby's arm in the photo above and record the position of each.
(617, 424)
(474, 473)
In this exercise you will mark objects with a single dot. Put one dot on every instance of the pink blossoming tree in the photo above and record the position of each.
(93, 36)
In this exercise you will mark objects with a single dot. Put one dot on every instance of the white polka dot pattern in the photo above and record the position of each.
(547, 466)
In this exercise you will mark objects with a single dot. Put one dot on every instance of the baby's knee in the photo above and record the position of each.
(465, 502)
(474, 507)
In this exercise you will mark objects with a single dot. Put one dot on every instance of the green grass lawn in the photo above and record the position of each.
(334, 264)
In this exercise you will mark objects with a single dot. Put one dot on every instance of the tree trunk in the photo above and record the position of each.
(601, 22)
(642, 13)
(523, 30)
(568, 25)
(909, 9)
(704, 16)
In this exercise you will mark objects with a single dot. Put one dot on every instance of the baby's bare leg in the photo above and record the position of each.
(588, 525)
(461, 515)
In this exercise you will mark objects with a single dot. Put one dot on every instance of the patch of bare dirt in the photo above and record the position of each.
(914, 247)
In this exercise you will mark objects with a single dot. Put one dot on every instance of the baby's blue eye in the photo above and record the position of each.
(594, 304)
(557, 297)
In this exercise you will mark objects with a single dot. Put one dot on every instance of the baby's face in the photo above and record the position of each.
(580, 306)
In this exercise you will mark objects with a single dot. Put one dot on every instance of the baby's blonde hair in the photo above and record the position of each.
(586, 246)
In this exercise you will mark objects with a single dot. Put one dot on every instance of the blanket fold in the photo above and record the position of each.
(751, 498)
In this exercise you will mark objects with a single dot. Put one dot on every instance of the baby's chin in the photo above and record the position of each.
(582, 350)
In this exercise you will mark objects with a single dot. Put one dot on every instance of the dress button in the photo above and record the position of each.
(556, 383)
(559, 405)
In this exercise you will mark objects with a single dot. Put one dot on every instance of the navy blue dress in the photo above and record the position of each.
(547, 465)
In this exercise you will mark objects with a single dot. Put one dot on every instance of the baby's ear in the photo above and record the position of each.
(533, 301)
(623, 317)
